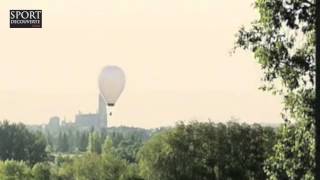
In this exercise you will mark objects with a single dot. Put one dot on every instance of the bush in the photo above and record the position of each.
(14, 170)
(41, 171)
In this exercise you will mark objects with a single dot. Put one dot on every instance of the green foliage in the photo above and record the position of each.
(41, 171)
(94, 145)
(126, 140)
(289, 161)
(149, 157)
(207, 151)
(93, 166)
(283, 42)
(83, 142)
(17, 143)
(127, 145)
(131, 173)
(63, 144)
(197, 151)
(14, 170)
(64, 169)
(115, 166)
(88, 166)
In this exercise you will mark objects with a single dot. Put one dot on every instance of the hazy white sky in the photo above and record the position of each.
(175, 54)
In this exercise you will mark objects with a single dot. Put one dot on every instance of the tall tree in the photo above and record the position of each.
(83, 143)
(94, 145)
(63, 143)
(282, 40)
(17, 143)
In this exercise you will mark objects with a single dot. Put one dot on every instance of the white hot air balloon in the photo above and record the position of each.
(111, 84)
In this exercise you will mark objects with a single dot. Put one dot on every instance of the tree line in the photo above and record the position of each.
(126, 140)
(187, 151)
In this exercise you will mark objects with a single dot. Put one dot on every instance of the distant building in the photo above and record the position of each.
(54, 123)
(96, 120)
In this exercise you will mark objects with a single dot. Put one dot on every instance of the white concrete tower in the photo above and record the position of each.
(102, 111)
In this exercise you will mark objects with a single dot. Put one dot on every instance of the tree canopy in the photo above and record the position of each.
(282, 40)
(200, 151)
(17, 143)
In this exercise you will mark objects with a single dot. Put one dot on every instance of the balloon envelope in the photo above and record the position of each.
(111, 84)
